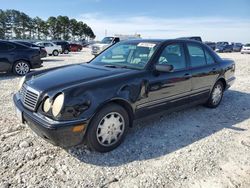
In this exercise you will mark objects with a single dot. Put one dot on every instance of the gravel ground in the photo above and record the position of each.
(196, 147)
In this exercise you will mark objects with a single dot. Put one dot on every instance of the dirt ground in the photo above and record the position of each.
(196, 147)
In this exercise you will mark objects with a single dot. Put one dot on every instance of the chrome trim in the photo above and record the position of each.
(29, 97)
(170, 99)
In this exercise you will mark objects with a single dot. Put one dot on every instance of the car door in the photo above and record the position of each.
(204, 70)
(5, 56)
(170, 89)
(49, 47)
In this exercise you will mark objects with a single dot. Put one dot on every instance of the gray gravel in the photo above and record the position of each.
(196, 147)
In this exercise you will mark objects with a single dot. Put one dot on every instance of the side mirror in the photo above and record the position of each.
(164, 68)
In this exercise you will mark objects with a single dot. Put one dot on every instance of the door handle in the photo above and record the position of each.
(187, 76)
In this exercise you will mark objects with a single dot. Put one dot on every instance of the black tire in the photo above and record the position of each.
(21, 68)
(78, 49)
(55, 53)
(98, 125)
(66, 51)
(212, 103)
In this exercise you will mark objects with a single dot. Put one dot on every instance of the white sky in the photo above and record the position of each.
(209, 28)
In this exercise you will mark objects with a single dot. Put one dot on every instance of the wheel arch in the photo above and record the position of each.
(121, 102)
(221, 79)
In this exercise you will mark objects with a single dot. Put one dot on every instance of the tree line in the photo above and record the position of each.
(18, 25)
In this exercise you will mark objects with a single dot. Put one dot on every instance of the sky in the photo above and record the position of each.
(213, 20)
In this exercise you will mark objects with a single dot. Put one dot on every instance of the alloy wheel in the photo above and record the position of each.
(22, 68)
(217, 94)
(110, 129)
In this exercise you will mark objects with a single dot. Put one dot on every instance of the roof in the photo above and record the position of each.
(161, 40)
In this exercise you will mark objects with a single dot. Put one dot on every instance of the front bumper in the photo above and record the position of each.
(58, 133)
(95, 52)
(245, 51)
(37, 64)
(230, 82)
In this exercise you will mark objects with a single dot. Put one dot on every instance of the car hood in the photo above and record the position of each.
(71, 75)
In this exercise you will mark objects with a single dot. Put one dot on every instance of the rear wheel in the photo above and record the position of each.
(216, 95)
(108, 128)
(55, 53)
(21, 68)
(66, 51)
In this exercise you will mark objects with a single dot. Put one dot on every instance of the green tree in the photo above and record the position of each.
(16, 24)
(53, 27)
(3, 20)
(73, 27)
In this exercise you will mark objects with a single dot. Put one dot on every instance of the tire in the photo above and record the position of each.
(66, 51)
(55, 53)
(216, 95)
(104, 137)
(78, 49)
(21, 68)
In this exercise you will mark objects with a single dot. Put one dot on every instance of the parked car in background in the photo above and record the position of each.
(75, 47)
(136, 78)
(212, 45)
(89, 44)
(224, 48)
(51, 48)
(237, 47)
(197, 38)
(109, 41)
(65, 46)
(43, 52)
(18, 58)
(221, 43)
(246, 49)
(105, 43)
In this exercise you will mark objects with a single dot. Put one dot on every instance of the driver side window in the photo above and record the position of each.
(173, 54)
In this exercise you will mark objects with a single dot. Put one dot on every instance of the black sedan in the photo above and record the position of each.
(43, 52)
(18, 58)
(98, 101)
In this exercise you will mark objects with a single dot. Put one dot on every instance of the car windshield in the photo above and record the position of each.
(107, 40)
(247, 45)
(134, 55)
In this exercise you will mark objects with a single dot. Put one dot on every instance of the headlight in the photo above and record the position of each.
(46, 105)
(57, 105)
(21, 83)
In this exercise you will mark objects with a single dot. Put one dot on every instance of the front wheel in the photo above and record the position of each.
(21, 68)
(55, 53)
(66, 51)
(108, 128)
(216, 95)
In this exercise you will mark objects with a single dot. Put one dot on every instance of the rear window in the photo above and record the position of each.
(6, 46)
(197, 56)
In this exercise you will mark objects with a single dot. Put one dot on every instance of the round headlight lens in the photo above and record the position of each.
(57, 105)
(46, 105)
(21, 83)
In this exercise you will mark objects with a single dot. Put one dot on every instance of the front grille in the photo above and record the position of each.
(29, 97)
